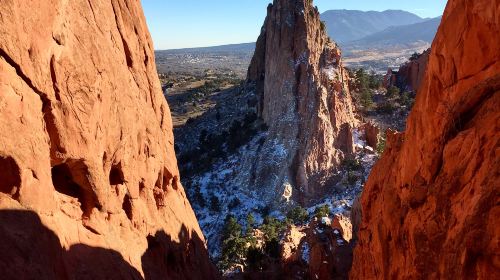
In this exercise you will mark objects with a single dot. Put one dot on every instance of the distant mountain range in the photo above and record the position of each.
(399, 35)
(356, 29)
(350, 25)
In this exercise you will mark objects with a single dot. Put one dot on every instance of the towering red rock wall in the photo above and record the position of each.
(86, 154)
(304, 99)
(430, 209)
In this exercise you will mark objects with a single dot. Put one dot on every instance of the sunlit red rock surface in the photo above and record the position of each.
(430, 209)
(89, 186)
(304, 99)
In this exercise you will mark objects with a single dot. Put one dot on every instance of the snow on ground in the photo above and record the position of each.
(229, 181)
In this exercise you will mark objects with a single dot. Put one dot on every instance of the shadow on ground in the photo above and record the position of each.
(29, 250)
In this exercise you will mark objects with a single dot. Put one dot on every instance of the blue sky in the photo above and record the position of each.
(198, 23)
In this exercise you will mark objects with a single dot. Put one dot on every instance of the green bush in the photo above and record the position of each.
(272, 248)
(272, 228)
(392, 91)
(250, 224)
(366, 98)
(406, 99)
(233, 245)
(254, 259)
(352, 178)
(386, 108)
(352, 164)
(381, 145)
(414, 56)
(322, 211)
(361, 78)
(374, 80)
(298, 215)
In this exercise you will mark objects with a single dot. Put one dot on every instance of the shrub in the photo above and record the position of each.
(265, 211)
(298, 215)
(322, 211)
(386, 108)
(352, 164)
(392, 91)
(272, 248)
(381, 145)
(233, 245)
(366, 98)
(361, 79)
(406, 99)
(352, 178)
(254, 259)
(272, 228)
(414, 56)
(214, 203)
(374, 80)
(198, 196)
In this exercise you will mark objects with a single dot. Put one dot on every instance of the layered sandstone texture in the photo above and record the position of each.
(304, 98)
(89, 185)
(430, 208)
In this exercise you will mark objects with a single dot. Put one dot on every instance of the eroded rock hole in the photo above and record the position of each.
(127, 206)
(64, 182)
(10, 176)
(116, 176)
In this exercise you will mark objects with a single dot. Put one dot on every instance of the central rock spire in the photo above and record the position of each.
(304, 99)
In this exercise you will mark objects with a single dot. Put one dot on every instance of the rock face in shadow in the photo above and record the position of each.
(316, 251)
(304, 99)
(411, 74)
(86, 134)
(430, 208)
(29, 250)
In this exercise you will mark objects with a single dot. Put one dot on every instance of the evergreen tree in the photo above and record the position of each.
(298, 215)
(250, 224)
(322, 211)
(361, 79)
(392, 91)
(366, 98)
(233, 244)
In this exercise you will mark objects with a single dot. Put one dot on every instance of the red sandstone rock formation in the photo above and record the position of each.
(430, 209)
(304, 99)
(89, 185)
(317, 251)
(410, 75)
(371, 134)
